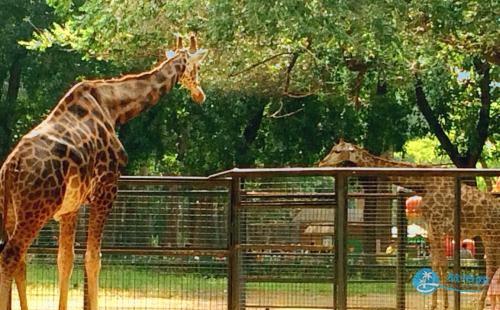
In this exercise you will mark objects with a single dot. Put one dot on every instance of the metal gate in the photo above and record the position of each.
(346, 238)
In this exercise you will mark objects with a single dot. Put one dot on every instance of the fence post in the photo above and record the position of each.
(456, 237)
(402, 225)
(233, 300)
(85, 289)
(341, 241)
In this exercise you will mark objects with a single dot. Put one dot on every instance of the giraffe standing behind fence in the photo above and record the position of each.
(73, 157)
(480, 210)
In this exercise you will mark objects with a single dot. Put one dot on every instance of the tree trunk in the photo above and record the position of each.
(14, 84)
(244, 158)
(477, 139)
(434, 125)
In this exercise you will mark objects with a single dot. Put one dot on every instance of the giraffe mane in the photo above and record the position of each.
(343, 148)
(133, 76)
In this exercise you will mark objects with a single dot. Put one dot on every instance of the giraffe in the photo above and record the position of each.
(480, 210)
(73, 157)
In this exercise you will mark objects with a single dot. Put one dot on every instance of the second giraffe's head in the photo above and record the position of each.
(344, 154)
(194, 57)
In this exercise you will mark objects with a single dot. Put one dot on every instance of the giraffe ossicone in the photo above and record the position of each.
(73, 157)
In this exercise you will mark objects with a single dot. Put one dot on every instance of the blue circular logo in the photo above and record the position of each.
(425, 281)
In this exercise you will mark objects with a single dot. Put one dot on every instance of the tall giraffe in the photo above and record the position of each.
(73, 157)
(480, 210)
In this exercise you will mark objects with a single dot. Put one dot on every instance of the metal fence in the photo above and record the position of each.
(318, 238)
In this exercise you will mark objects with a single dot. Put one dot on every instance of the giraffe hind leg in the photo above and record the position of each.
(20, 274)
(492, 261)
(3, 235)
(12, 257)
(20, 279)
(66, 255)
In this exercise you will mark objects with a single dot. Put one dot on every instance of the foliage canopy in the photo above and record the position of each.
(289, 77)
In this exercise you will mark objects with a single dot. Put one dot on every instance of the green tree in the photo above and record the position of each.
(32, 81)
(400, 57)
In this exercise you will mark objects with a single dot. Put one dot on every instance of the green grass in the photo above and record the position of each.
(143, 279)
(133, 279)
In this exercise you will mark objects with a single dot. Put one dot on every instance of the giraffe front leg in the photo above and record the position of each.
(435, 268)
(66, 255)
(100, 208)
(439, 265)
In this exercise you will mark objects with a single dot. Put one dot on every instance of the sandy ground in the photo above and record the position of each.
(119, 300)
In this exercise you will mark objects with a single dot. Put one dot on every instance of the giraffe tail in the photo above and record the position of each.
(4, 200)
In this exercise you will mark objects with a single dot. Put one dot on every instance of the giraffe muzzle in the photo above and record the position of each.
(198, 96)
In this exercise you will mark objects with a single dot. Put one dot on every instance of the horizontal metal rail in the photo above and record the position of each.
(355, 171)
(140, 251)
(275, 279)
(272, 247)
(135, 193)
(161, 180)
(289, 307)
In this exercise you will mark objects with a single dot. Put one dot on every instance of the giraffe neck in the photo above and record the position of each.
(124, 98)
(381, 162)
(410, 182)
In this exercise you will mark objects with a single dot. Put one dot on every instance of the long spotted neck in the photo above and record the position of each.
(369, 160)
(126, 97)
(417, 184)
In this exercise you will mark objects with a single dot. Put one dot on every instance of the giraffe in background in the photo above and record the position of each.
(73, 157)
(480, 210)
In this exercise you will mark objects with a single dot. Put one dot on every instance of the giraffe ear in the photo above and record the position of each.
(198, 56)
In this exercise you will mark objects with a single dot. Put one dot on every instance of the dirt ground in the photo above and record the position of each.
(119, 300)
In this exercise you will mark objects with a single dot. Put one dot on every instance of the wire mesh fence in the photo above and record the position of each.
(164, 247)
(288, 239)
(285, 237)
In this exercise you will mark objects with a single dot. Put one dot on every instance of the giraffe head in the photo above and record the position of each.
(194, 57)
(345, 154)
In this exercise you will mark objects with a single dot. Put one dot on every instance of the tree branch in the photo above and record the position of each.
(358, 83)
(361, 67)
(288, 74)
(258, 64)
(300, 95)
(435, 126)
(277, 112)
